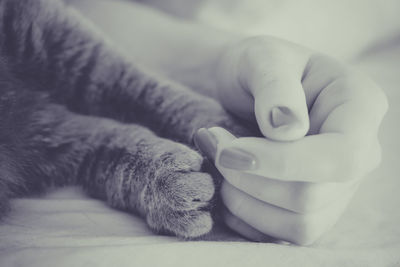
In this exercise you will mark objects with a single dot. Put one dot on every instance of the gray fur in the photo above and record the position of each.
(73, 110)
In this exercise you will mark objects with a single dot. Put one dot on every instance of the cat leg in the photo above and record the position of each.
(57, 47)
(126, 165)
(5, 192)
(154, 177)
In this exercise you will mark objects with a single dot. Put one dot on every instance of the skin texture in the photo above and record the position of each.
(74, 111)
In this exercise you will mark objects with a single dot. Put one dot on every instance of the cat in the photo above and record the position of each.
(73, 110)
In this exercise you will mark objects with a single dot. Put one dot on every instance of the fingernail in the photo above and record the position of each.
(282, 116)
(206, 142)
(237, 159)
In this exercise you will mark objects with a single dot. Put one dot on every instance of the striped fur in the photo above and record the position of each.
(74, 111)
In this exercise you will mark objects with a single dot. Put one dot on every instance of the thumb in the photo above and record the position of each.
(280, 105)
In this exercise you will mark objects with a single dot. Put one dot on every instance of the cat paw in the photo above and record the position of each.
(178, 196)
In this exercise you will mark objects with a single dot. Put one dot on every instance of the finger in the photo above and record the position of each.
(207, 140)
(243, 228)
(300, 197)
(280, 223)
(279, 100)
(280, 107)
(296, 196)
(316, 158)
(341, 99)
(345, 107)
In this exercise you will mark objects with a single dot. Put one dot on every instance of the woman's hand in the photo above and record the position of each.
(259, 207)
(291, 90)
(293, 190)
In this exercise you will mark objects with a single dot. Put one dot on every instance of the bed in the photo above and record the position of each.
(67, 228)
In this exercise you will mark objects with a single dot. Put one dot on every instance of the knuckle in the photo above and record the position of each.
(351, 166)
(355, 85)
(348, 86)
(373, 93)
(354, 159)
(347, 163)
(380, 99)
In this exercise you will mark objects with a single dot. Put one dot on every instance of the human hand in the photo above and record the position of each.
(276, 83)
(259, 207)
(294, 190)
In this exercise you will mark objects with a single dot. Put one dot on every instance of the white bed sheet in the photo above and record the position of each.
(66, 228)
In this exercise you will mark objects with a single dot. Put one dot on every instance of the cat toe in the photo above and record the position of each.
(178, 157)
(179, 184)
(181, 205)
(186, 191)
(185, 224)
